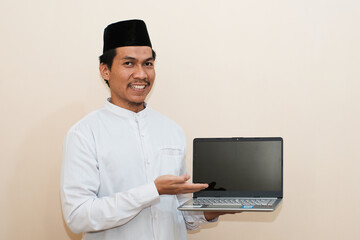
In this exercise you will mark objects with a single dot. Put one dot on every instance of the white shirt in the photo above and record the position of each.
(110, 161)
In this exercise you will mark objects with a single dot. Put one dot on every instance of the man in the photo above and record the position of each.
(123, 173)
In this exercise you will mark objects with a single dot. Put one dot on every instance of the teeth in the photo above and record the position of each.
(138, 86)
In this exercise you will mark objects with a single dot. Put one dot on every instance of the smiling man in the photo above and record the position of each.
(123, 172)
(130, 77)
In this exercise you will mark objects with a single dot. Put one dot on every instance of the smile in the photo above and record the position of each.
(138, 86)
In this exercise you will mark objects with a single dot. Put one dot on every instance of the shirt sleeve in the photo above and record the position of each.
(193, 219)
(83, 210)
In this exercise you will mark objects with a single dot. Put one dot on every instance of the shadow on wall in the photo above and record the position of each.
(70, 234)
(34, 191)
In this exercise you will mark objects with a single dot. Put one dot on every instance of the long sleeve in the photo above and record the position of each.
(83, 210)
(193, 219)
(111, 158)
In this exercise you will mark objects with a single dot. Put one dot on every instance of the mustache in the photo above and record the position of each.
(147, 83)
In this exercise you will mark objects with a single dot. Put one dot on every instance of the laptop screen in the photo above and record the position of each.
(238, 167)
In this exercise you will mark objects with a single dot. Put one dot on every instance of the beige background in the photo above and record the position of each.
(224, 68)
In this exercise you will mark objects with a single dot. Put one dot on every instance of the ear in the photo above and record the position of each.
(104, 71)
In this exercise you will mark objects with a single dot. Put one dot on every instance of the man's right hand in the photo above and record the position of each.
(172, 185)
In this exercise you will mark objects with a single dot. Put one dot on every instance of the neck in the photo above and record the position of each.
(136, 107)
(131, 106)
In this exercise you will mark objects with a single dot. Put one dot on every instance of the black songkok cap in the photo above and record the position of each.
(126, 33)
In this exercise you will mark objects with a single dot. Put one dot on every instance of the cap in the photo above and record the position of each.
(126, 33)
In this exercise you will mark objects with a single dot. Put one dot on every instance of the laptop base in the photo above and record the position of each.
(193, 205)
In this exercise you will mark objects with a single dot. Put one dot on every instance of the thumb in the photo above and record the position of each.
(186, 177)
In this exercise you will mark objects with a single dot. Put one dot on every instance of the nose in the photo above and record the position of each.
(139, 73)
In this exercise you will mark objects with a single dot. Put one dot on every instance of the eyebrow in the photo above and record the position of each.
(128, 58)
(149, 59)
(132, 58)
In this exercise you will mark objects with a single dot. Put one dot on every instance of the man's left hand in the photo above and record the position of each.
(212, 215)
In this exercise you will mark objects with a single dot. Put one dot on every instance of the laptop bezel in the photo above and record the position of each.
(246, 194)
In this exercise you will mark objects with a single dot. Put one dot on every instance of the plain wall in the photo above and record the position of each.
(224, 69)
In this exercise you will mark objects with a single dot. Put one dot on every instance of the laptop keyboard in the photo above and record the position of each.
(234, 201)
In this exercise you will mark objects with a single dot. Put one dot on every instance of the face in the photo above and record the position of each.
(131, 76)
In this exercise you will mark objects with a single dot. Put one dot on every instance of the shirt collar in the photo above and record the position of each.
(122, 112)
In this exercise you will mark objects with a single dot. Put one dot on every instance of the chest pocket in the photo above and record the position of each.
(170, 160)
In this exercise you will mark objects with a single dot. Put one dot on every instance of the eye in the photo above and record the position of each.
(128, 63)
(149, 64)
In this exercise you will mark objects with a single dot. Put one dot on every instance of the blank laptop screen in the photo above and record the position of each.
(239, 166)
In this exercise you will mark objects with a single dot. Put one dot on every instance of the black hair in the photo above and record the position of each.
(108, 57)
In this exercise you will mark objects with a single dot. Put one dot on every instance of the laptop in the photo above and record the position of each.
(244, 174)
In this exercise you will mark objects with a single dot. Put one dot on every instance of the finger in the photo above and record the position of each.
(193, 187)
(203, 185)
(180, 179)
(186, 177)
